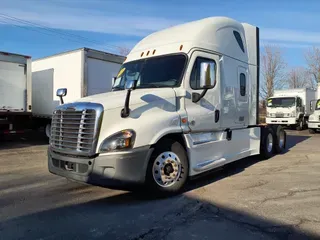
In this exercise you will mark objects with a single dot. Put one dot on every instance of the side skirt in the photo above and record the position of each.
(210, 150)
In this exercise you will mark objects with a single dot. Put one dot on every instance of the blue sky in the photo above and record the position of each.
(104, 25)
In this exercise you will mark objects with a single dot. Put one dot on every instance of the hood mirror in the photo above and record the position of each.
(61, 92)
(130, 85)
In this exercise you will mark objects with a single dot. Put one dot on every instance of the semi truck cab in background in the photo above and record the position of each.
(290, 107)
(184, 102)
(314, 119)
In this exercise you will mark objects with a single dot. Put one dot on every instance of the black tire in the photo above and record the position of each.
(300, 125)
(279, 134)
(312, 131)
(266, 153)
(175, 147)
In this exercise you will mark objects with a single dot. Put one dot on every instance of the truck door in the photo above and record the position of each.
(242, 113)
(13, 84)
(203, 115)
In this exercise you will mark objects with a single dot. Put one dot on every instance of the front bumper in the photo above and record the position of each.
(313, 124)
(113, 170)
(284, 121)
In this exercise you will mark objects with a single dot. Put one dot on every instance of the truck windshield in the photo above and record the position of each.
(281, 102)
(165, 71)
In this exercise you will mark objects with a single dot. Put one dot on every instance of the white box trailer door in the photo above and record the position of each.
(100, 74)
(13, 86)
(42, 98)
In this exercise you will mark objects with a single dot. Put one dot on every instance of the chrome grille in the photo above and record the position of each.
(279, 115)
(74, 128)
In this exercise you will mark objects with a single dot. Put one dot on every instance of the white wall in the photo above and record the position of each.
(67, 74)
(100, 75)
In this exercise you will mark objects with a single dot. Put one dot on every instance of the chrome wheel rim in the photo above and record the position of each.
(281, 139)
(166, 169)
(269, 142)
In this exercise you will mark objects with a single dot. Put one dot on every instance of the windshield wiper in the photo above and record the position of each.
(150, 85)
(117, 88)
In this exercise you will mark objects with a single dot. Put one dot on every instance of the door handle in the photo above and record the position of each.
(216, 115)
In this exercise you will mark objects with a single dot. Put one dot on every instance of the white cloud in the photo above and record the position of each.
(82, 20)
(127, 19)
(290, 36)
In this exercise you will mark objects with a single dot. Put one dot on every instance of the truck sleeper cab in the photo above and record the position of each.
(180, 106)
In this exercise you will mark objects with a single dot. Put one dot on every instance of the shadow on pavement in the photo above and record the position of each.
(27, 139)
(293, 140)
(126, 216)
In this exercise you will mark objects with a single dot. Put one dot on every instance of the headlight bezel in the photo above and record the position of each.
(112, 143)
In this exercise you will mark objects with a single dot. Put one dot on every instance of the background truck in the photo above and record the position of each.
(15, 93)
(83, 71)
(314, 118)
(182, 105)
(291, 107)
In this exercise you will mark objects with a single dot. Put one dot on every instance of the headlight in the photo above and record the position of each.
(293, 114)
(119, 141)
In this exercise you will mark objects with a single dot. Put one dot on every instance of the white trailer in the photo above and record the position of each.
(83, 71)
(15, 92)
(291, 107)
(182, 105)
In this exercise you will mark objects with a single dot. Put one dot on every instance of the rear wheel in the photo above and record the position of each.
(48, 130)
(267, 147)
(167, 170)
(280, 138)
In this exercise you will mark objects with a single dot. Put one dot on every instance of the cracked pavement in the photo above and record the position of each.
(250, 199)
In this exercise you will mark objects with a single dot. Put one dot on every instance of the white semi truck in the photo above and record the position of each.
(83, 71)
(314, 118)
(15, 93)
(184, 102)
(291, 107)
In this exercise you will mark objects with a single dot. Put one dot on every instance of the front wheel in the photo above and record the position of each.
(300, 125)
(168, 168)
(312, 131)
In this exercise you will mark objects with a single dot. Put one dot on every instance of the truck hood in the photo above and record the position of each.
(315, 116)
(162, 97)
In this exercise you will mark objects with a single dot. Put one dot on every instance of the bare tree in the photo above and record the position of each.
(312, 57)
(273, 70)
(124, 51)
(298, 77)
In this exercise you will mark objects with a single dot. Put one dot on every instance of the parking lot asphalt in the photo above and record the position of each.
(250, 199)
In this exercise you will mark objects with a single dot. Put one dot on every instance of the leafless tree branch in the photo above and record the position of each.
(273, 70)
(312, 57)
(124, 51)
(299, 77)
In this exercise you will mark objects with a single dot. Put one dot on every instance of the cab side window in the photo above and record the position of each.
(242, 84)
(195, 74)
(299, 102)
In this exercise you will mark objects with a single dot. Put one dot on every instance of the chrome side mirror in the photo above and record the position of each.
(113, 80)
(207, 75)
(61, 92)
(131, 84)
